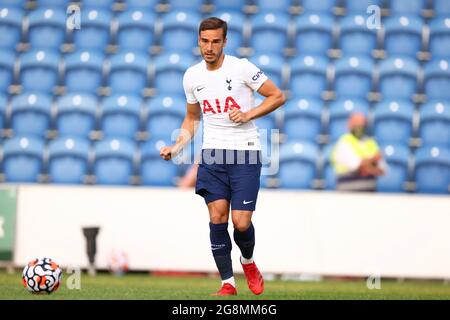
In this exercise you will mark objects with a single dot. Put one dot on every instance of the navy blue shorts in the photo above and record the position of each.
(230, 174)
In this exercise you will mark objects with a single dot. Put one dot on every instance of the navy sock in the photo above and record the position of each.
(245, 241)
(221, 249)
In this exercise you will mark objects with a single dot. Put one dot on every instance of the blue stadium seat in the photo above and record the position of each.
(435, 123)
(441, 7)
(398, 78)
(235, 36)
(169, 70)
(94, 34)
(403, 36)
(193, 5)
(269, 25)
(267, 123)
(432, 170)
(128, 73)
(360, 6)
(61, 4)
(314, 33)
(353, 77)
(165, 115)
(328, 173)
(302, 119)
(309, 75)
(355, 37)
(397, 159)
(68, 160)
(13, 4)
(114, 161)
(340, 110)
(98, 4)
(229, 5)
(154, 170)
(273, 6)
(39, 71)
(142, 4)
(393, 121)
(76, 115)
(23, 159)
(298, 164)
(272, 65)
(31, 114)
(136, 30)
(120, 116)
(3, 104)
(318, 5)
(7, 60)
(84, 72)
(10, 27)
(437, 79)
(47, 28)
(180, 31)
(413, 7)
(439, 43)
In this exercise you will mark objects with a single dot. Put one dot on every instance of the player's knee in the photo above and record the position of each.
(217, 217)
(241, 225)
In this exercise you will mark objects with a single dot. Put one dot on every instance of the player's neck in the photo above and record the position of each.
(215, 65)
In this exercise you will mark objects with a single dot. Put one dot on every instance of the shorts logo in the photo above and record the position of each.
(247, 202)
(257, 75)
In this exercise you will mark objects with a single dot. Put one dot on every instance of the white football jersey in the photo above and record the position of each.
(217, 91)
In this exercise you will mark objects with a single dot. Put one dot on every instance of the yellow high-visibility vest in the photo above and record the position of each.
(365, 148)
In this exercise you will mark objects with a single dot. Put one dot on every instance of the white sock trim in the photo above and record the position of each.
(230, 281)
(246, 261)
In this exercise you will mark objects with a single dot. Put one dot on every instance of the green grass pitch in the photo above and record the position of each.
(143, 286)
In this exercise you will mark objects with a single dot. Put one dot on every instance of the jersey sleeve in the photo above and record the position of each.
(253, 76)
(188, 90)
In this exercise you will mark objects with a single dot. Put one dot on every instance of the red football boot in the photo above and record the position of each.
(226, 290)
(255, 280)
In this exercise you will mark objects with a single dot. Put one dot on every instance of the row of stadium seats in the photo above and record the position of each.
(71, 160)
(128, 116)
(309, 33)
(95, 105)
(396, 6)
(302, 162)
(131, 73)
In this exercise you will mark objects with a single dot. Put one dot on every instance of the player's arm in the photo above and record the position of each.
(274, 98)
(188, 130)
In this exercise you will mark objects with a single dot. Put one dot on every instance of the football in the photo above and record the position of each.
(42, 275)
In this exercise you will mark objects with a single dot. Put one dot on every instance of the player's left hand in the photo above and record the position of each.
(236, 115)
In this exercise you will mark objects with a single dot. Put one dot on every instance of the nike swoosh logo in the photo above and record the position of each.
(199, 89)
(247, 202)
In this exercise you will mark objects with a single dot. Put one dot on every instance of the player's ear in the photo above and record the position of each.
(225, 42)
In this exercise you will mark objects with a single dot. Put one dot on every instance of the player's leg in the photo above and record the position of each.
(221, 244)
(244, 237)
(244, 233)
(245, 180)
(213, 185)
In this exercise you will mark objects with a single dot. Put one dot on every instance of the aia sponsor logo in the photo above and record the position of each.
(215, 107)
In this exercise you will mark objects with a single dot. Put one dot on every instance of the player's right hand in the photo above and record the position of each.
(169, 152)
(166, 152)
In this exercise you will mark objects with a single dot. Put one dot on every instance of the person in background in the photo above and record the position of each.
(356, 158)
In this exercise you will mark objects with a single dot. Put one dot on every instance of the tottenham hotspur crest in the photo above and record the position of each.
(229, 84)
